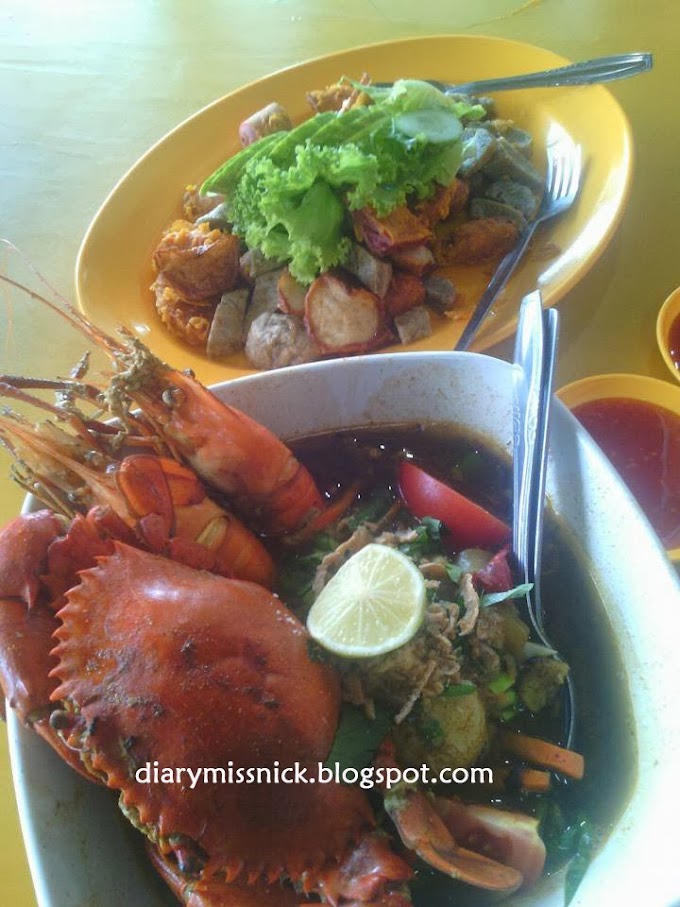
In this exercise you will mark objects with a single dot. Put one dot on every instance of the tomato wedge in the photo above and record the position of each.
(470, 525)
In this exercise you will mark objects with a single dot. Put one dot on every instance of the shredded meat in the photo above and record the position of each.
(490, 627)
(488, 660)
(471, 601)
(333, 561)
(399, 537)
(395, 678)
(416, 692)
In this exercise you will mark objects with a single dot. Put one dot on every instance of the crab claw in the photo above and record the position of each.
(24, 543)
(510, 837)
(27, 624)
(371, 875)
(422, 830)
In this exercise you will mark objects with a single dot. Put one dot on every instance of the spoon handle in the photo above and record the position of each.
(535, 353)
(587, 72)
(534, 365)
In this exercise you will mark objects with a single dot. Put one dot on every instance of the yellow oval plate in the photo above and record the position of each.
(113, 270)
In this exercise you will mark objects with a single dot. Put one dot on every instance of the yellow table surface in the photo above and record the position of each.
(85, 88)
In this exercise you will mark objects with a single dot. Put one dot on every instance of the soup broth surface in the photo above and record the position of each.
(575, 619)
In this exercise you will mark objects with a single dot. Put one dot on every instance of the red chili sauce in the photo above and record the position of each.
(674, 341)
(643, 443)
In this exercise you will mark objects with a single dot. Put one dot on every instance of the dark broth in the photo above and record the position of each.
(575, 618)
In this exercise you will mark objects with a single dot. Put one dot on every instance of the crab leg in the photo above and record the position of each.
(422, 830)
(27, 623)
(508, 836)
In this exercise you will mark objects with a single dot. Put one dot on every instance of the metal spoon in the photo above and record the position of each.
(534, 362)
(587, 72)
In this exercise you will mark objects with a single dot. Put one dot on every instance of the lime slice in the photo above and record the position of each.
(374, 604)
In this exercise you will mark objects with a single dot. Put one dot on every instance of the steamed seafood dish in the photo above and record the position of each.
(344, 233)
(189, 620)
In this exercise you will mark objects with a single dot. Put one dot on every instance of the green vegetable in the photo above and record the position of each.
(289, 194)
(572, 839)
(225, 177)
(431, 732)
(358, 737)
(371, 509)
(454, 690)
(454, 572)
(298, 570)
(493, 598)
(427, 541)
(429, 125)
(584, 847)
(501, 683)
(406, 95)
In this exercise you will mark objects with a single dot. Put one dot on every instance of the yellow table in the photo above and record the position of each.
(85, 88)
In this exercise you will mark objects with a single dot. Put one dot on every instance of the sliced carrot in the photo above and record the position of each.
(547, 755)
(534, 780)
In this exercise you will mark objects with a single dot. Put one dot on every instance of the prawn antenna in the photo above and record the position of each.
(62, 307)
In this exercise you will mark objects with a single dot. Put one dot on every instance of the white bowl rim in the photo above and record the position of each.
(619, 869)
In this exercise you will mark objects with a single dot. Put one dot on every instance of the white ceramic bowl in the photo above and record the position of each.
(82, 853)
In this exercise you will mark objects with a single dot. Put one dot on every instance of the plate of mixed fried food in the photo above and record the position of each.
(319, 213)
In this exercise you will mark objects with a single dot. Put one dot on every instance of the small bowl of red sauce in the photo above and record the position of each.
(635, 420)
(668, 332)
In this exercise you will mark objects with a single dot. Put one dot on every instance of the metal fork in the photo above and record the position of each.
(563, 179)
(587, 72)
(534, 364)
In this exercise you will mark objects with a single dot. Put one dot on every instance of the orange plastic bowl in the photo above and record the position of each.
(667, 320)
(642, 388)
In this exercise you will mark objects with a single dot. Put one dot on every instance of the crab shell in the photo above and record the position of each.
(162, 665)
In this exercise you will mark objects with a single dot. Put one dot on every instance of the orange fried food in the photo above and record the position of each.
(162, 663)
(478, 241)
(446, 200)
(396, 230)
(405, 292)
(338, 96)
(194, 205)
(190, 321)
(196, 261)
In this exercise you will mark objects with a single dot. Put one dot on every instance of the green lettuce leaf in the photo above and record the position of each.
(290, 195)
